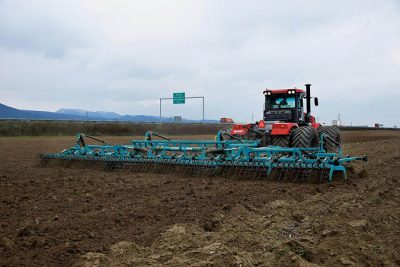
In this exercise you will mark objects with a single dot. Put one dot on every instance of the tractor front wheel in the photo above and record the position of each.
(304, 136)
(280, 140)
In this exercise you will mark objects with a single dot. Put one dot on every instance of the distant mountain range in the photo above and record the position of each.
(7, 112)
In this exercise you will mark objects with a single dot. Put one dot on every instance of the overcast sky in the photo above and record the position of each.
(122, 56)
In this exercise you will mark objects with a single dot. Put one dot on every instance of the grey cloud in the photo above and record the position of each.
(123, 56)
(37, 27)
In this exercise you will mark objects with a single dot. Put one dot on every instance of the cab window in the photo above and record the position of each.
(281, 101)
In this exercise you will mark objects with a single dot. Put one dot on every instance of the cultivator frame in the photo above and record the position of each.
(242, 158)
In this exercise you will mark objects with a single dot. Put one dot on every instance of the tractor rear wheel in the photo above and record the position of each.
(334, 133)
(281, 140)
(304, 136)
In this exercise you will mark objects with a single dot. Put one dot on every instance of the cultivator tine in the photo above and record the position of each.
(108, 166)
(171, 168)
(139, 167)
(135, 167)
(304, 176)
(196, 171)
(226, 171)
(229, 170)
(149, 166)
(281, 173)
(320, 173)
(189, 170)
(222, 171)
(254, 172)
(263, 173)
(185, 170)
(152, 167)
(258, 173)
(199, 171)
(289, 172)
(247, 172)
(250, 171)
(207, 171)
(296, 174)
(243, 172)
(309, 174)
(273, 174)
(286, 172)
(313, 173)
(237, 172)
(292, 173)
(144, 166)
(232, 171)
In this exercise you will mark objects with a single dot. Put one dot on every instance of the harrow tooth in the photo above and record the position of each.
(292, 176)
(296, 175)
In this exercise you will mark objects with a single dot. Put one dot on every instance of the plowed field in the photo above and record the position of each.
(80, 217)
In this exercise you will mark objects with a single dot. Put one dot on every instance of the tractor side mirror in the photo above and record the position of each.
(316, 101)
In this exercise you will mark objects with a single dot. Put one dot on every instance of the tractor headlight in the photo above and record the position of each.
(291, 92)
(267, 92)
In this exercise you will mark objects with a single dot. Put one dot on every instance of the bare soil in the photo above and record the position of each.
(82, 217)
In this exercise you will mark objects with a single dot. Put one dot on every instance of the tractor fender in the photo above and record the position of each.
(240, 129)
(315, 125)
(283, 128)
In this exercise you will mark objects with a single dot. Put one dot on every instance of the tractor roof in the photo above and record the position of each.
(283, 91)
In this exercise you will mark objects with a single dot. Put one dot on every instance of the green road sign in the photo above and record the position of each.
(178, 98)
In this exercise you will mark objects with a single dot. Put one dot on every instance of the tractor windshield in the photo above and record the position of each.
(280, 101)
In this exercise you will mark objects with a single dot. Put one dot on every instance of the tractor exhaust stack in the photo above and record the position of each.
(308, 102)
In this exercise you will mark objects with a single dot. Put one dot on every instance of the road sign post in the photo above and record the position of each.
(180, 98)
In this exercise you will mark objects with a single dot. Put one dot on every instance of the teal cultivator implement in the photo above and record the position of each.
(235, 157)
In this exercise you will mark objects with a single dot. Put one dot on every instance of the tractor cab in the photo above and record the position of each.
(284, 105)
(287, 106)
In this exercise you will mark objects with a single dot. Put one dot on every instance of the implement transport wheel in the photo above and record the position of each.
(280, 140)
(304, 136)
(334, 133)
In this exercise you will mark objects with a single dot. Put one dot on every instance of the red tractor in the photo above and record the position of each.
(286, 124)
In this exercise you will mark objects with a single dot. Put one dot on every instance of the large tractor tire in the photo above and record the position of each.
(280, 140)
(334, 133)
(304, 136)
